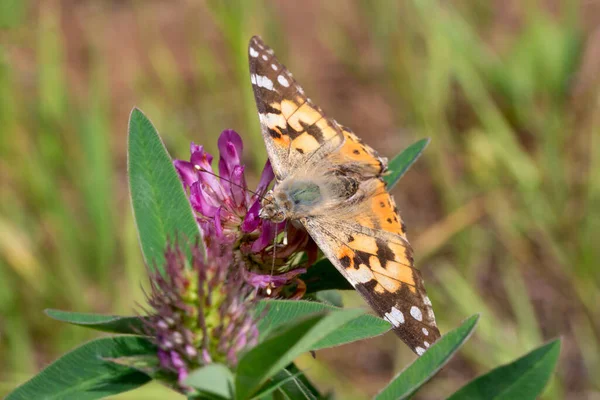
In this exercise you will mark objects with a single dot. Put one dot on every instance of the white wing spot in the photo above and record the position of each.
(430, 314)
(419, 350)
(425, 331)
(363, 274)
(284, 82)
(253, 52)
(427, 301)
(270, 51)
(263, 81)
(426, 344)
(274, 67)
(416, 313)
(253, 79)
(395, 317)
(264, 57)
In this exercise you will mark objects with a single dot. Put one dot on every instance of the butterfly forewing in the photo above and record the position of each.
(294, 129)
(361, 232)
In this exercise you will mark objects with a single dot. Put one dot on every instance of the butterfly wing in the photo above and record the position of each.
(366, 242)
(296, 131)
(354, 153)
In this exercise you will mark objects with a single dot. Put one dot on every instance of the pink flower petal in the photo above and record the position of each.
(266, 178)
(230, 149)
(187, 172)
(252, 220)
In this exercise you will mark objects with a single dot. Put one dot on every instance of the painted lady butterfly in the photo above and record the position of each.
(331, 182)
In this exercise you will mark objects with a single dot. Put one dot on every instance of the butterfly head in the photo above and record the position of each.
(274, 207)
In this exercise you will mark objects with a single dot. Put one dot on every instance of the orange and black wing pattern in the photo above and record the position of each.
(369, 247)
(295, 130)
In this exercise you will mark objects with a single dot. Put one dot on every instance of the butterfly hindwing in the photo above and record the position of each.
(294, 129)
(370, 249)
(355, 152)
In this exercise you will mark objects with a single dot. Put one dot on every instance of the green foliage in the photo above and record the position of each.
(282, 347)
(161, 209)
(86, 373)
(282, 312)
(266, 368)
(524, 378)
(296, 385)
(288, 328)
(277, 385)
(403, 161)
(213, 380)
(105, 323)
(322, 275)
(407, 382)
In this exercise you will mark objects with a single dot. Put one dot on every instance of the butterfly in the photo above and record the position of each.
(329, 181)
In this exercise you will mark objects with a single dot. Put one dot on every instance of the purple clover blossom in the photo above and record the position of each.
(228, 212)
(224, 206)
(201, 312)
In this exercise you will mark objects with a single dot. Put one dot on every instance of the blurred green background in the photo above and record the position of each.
(503, 210)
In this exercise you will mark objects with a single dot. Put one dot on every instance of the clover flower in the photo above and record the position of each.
(201, 311)
(227, 211)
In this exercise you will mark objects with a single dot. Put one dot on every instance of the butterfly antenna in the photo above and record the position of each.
(200, 169)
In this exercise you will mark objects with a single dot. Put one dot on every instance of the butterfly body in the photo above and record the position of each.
(329, 181)
(311, 193)
(292, 200)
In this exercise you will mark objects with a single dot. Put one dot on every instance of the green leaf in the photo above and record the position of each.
(298, 388)
(331, 297)
(99, 322)
(275, 383)
(264, 360)
(161, 209)
(524, 378)
(213, 379)
(402, 162)
(148, 364)
(84, 373)
(425, 367)
(324, 276)
(280, 349)
(282, 312)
